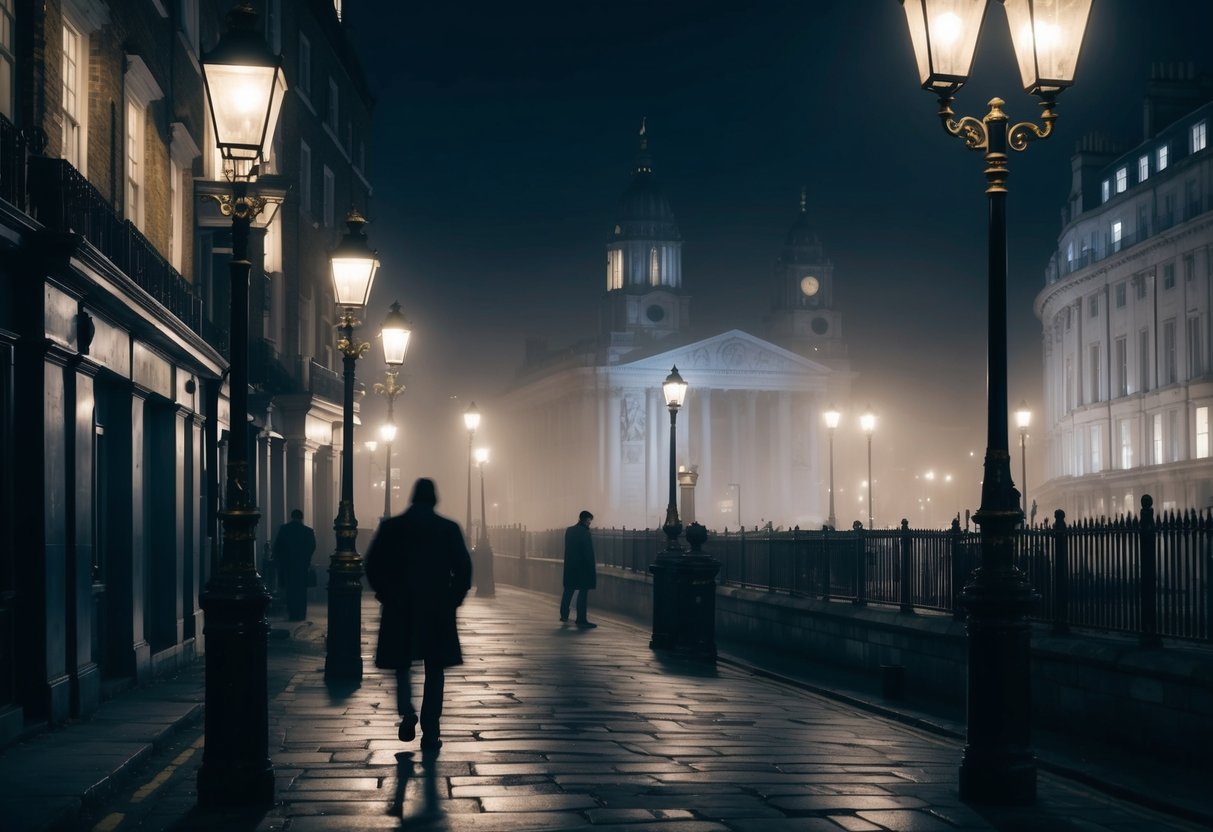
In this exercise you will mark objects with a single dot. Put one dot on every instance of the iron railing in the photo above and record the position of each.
(13, 147)
(63, 200)
(1130, 575)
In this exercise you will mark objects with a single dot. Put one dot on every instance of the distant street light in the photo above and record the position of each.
(675, 390)
(395, 335)
(244, 86)
(485, 585)
(868, 423)
(1023, 418)
(354, 266)
(737, 487)
(998, 764)
(832, 416)
(387, 432)
(471, 421)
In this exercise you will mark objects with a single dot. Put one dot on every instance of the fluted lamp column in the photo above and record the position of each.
(354, 265)
(244, 87)
(471, 421)
(998, 765)
(395, 336)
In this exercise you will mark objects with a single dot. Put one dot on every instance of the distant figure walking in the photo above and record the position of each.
(293, 547)
(579, 573)
(420, 570)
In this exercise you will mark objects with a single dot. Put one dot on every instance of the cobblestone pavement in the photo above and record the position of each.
(551, 727)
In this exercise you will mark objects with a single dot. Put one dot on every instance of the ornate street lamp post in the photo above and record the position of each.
(387, 432)
(471, 421)
(832, 416)
(868, 422)
(1023, 418)
(244, 90)
(354, 266)
(395, 335)
(675, 390)
(998, 763)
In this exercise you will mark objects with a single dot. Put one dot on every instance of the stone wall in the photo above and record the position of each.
(1158, 701)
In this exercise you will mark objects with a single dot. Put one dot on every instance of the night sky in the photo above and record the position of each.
(504, 135)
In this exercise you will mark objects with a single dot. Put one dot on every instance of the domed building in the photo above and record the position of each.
(586, 426)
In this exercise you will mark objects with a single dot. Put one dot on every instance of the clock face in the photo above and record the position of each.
(809, 285)
(654, 313)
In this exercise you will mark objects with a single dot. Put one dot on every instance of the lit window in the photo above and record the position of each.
(1156, 439)
(1122, 180)
(73, 109)
(614, 269)
(1125, 440)
(1096, 448)
(1198, 136)
(1202, 432)
(654, 268)
(1162, 158)
(1143, 168)
(134, 163)
(7, 59)
(176, 240)
(1116, 233)
(1107, 189)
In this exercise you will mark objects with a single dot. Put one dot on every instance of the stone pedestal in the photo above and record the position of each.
(684, 599)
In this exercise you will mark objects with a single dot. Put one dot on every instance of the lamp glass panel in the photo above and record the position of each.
(471, 420)
(944, 34)
(395, 344)
(867, 422)
(1047, 35)
(1023, 418)
(832, 417)
(675, 392)
(352, 279)
(387, 432)
(482, 456)
(244, 102)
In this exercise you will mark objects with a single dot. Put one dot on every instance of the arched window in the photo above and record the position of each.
(614, 270)
(654, 267)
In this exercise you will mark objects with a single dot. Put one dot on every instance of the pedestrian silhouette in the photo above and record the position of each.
(420, 570)
(292, 548)
(579, 573)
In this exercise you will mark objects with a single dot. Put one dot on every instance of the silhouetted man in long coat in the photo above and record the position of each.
(420, 570)
(580, 575)
(293, 547)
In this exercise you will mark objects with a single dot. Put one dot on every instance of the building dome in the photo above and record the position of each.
(644, 212)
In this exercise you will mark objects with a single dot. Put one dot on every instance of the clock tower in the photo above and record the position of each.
(644, 298)
(803, 317)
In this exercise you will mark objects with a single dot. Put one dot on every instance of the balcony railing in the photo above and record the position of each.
(63, 200)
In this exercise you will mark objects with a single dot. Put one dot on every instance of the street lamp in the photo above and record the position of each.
(244, 87)
(485, 585)
(1023, 418)
(353, 266)
(387, 432)
(482, 456)
(395, 335)
(832, 416)
(998, 763)
(868, 422)
(471, 421)
(675, 390)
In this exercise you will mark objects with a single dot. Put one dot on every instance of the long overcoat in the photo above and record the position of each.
(579, 570)
(420, 570)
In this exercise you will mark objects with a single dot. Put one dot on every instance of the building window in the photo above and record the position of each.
(188, 10)
(134, 163)
(330, 198)
(1196, 352)
(1161, 157)
(1143, 360)
(1189, 267)
(177, 209)
(1142, 226)
(305, 177)
(1096, 448)
(1198, 136)
(614, 270)
(1116, 233)
(654, 268)
(1069, 383)
(1124, 433)
(1168, 276)
(1202, 432)
(73, 106)
(1093, 306)
(332, 115)
(1173, 435)
(1192, 198)
(1121, 357)
(305, 66)
(1139, 286)
(1096, 374)
(1106, 189)
(1156, 438)
(7, 59)
(1121, 294)
(1169, 375)
(1122, 180)
(1143, 168)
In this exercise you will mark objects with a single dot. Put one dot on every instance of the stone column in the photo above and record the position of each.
(137, 575)
(686, 494)
(705, 457)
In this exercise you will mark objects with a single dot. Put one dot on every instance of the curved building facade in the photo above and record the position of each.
(1126, 317)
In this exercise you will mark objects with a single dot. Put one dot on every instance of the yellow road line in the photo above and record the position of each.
(109, 823)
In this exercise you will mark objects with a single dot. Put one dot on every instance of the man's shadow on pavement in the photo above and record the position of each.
(428, 816)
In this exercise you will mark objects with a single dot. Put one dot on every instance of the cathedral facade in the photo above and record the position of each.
(586, 426)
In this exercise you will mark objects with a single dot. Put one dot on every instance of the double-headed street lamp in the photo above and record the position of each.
(868, 422)
(354, 266)
(244, 90)
(675, 390)
(471, 421)
(395, 336)
(832, 416)
(998, 764)
(1023, 418)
